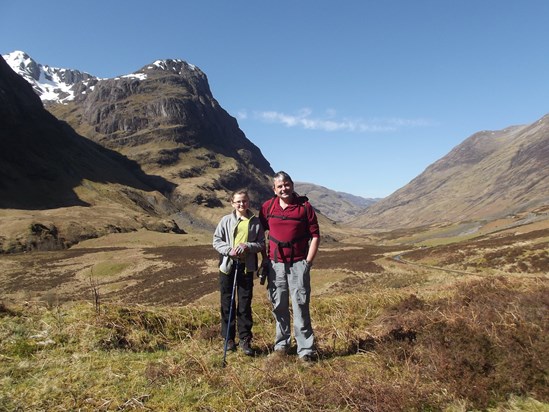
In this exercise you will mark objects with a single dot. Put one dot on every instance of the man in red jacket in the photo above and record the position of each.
(294, 237)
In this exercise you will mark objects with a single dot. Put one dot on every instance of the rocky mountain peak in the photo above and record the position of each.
(172, 65)
(165, 93)
(476, 148)
(23, 64)
(52, 84)
(177, 73)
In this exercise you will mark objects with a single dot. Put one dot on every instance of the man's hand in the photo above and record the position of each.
(263, 271)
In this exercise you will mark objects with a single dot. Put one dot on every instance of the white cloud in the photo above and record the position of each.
(242, 115)
(304, 119)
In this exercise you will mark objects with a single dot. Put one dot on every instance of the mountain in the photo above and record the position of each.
(162, 116)
(57, 187)
(165, 124)
(491, 174)
(338, 206)
(50, 83)
(165, 118)
(161, 123)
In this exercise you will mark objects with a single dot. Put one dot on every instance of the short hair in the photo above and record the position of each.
(239, 192)
(283, 176)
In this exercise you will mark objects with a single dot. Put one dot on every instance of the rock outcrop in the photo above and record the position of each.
(165, 118)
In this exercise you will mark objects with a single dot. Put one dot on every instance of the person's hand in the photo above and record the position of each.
(263, 271)
(233, 252)
(241, 248)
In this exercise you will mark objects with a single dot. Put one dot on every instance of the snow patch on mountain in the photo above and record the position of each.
(138, 76)
(58, 85)
(173, 64)
(52, 84)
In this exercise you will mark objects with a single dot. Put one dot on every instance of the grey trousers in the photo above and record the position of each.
(291, 282)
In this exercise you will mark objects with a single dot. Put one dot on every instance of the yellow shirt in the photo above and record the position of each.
(241, 235)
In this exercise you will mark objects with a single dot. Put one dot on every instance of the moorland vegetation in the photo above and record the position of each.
(400, 326)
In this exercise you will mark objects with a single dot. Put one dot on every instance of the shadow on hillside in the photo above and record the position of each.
(42, 163)
(42, 160)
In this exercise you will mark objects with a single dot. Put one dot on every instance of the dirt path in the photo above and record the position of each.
(399, 259)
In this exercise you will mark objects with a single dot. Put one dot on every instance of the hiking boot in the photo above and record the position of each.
(280, 352)
(308, 358)
(245, 345)
(231, 345)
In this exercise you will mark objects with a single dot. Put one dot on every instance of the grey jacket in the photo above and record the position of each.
(223, 239)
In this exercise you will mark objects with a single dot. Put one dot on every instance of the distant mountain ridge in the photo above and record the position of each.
(164, 118)
(489, 175)
(338, 206)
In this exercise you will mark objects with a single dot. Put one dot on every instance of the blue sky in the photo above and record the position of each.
(359, 96)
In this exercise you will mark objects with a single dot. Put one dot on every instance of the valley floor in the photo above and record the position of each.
(124, 324)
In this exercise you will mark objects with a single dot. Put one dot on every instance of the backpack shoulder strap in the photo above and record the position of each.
(302, 202)
(271, 206)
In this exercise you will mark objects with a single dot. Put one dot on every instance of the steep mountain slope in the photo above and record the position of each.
(59, 180)
(489, 175)
(165, 118)
(159, 153)
(338, 206)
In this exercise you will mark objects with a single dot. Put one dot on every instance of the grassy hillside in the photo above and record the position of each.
(490, 175)
(391, 335)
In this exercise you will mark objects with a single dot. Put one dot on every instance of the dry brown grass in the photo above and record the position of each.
(522, 253)
(486, 341)
(391, 337)
(386, 350)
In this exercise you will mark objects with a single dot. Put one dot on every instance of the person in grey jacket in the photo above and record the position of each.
(238, 237)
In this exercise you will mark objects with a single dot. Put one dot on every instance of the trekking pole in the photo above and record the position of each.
(230, 315)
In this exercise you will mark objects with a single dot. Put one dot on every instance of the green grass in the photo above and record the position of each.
(476, 345)
(108, 268)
